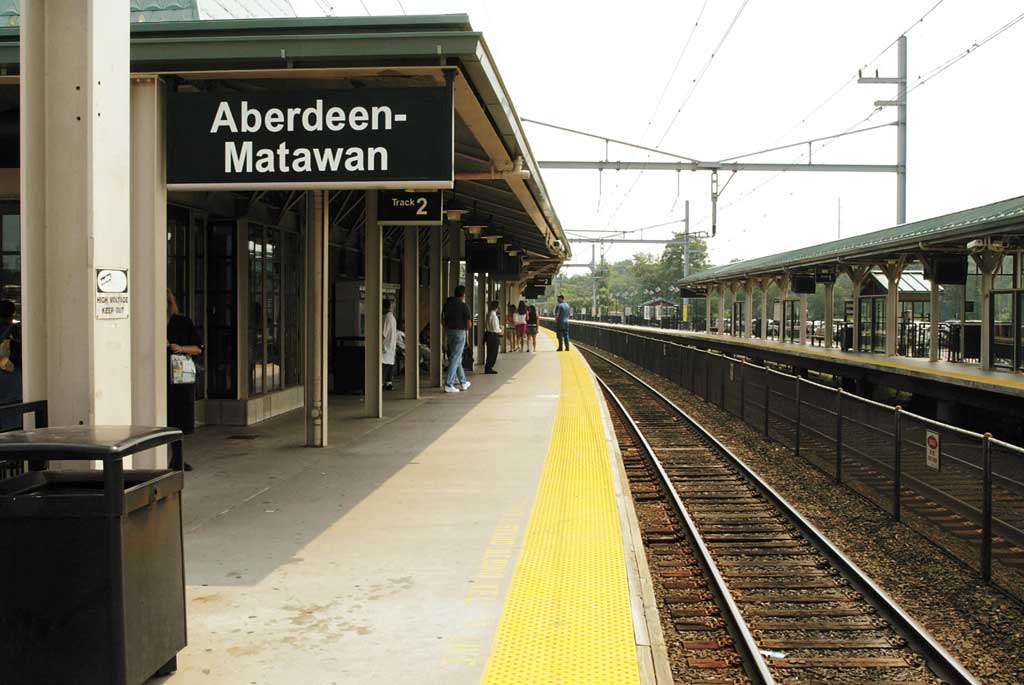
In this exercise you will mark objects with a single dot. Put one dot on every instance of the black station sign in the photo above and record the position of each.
(541, 280)
(323, 139)
(825, 275)
(410, 208)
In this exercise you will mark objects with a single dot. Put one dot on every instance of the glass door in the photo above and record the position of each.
(878, 324)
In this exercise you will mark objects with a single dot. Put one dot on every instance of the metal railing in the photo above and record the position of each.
(962, 490)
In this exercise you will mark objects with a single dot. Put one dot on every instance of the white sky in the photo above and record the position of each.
(601, 67)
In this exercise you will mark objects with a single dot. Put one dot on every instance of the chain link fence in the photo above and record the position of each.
(962, 490)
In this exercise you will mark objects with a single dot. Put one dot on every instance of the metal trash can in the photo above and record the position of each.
(92, 581)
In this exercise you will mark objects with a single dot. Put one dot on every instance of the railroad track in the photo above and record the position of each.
(788, 605)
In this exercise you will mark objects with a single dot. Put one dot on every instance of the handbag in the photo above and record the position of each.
(183, 370)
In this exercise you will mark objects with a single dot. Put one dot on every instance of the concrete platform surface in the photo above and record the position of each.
(384, 558)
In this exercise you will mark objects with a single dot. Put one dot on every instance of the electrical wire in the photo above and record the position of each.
(675, 117)
(853, 79)
(365, 8)
(402, 7)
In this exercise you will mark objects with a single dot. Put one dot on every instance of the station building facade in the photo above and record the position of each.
(281, 257)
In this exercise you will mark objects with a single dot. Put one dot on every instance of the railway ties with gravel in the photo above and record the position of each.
(772, 593)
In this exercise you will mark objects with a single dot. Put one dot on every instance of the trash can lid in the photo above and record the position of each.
(108, 443)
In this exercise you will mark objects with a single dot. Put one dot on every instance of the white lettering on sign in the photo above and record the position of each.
(112, 294)
(244, 158)
(932, 449)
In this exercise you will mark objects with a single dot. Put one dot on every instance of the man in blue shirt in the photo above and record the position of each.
(562, 322)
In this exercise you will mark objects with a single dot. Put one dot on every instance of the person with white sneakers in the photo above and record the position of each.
(458, 322)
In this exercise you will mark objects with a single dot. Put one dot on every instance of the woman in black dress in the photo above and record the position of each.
(182, 338)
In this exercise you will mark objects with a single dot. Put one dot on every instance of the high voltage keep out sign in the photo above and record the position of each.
(367, 138)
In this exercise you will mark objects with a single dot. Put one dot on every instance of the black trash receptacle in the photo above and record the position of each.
(92, 583)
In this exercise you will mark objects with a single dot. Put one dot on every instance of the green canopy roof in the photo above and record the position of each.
(954, 228)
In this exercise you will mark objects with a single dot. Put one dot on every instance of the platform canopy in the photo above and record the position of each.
(495, 171)
(1001, 223)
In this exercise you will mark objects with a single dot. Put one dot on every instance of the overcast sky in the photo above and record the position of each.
(603, 67)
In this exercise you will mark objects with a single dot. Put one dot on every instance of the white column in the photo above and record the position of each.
(436, 297)
(317, 335)
(148, 263)
(765, 284)
(892, 309)
(411, 310)
(75, 157)
(829, 315)
(373, 252)
(721, 309)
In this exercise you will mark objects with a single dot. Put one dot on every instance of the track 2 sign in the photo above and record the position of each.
(410, 208)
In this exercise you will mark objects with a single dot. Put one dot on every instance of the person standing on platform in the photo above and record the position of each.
(562, 314)
(183, 343)
(389, 344)
(492, 336)
(458, 322)
(10, 363)
(532, 323)
(510, 326)
(520, 321)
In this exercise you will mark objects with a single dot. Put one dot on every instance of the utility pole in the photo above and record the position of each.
(900, 103)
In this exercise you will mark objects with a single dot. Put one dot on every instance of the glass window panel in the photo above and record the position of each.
(1002, 329)
(11, 233)
(221, 353)
(294, 275)
(272, 299)
(256, 265)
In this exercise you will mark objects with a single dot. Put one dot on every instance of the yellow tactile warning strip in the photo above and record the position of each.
(567, 617)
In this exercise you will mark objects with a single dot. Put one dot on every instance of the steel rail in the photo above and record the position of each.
(754, 664)
(941, 662)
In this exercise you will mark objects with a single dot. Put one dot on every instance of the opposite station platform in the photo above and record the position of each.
(486, 537)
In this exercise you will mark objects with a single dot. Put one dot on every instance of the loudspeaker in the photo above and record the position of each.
(948, 270)
(803, 285)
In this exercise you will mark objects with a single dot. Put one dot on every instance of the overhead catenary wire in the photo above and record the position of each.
(675, 117)
(921, 80)
(853, 78)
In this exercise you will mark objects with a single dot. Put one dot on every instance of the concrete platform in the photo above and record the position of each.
(385, 558)
(953, 376)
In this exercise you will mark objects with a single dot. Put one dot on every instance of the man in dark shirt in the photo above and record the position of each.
(457, 324)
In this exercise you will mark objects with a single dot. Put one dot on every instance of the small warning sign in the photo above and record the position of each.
(112, 294)
(932, 449)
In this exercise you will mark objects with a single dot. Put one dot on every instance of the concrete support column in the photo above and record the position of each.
(436, 298)
(892, 271)
(721, 309)
(411, 310)
(933, 321)
(75, 157)
(857, 275)
(373, 253)
(748, 309)
(765, 315)
(829, 315)
(481, 319)
(988, 264)
(148, 263)
(317, 346)
(803, 319)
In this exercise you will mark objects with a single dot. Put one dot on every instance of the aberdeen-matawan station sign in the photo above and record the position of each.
(323, 139)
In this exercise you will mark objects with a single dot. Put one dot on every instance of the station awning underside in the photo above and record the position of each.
(369, 52)
(946, 234)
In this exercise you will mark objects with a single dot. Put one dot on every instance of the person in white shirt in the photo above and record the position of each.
(492, 336)
(389, 344)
